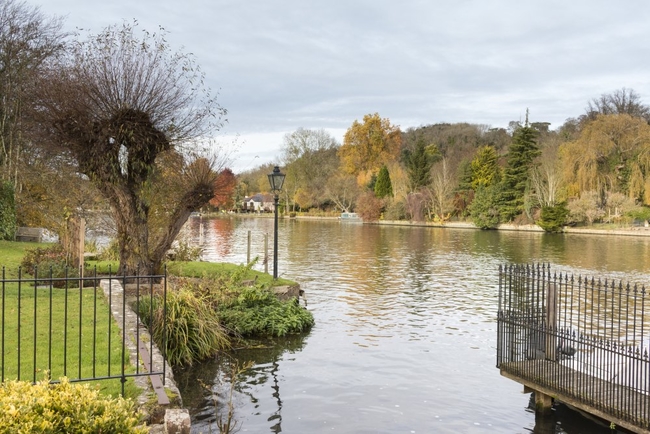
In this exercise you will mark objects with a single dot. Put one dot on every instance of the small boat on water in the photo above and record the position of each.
(351, 217)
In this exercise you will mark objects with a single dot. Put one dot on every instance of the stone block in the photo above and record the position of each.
(177, 421)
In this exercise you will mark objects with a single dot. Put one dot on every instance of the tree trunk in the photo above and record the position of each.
(130, 216)
(134, 251)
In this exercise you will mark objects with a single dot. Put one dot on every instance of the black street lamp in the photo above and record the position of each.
(276, 179)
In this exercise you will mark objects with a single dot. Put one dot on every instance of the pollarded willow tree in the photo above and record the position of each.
(131, 113)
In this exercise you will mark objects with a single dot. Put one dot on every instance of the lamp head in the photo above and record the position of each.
(276, 179)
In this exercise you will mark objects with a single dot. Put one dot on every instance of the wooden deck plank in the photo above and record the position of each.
(622, 405)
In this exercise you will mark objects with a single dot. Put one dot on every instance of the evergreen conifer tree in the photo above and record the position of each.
(383, 186)
(485, 168)
(521, 154)
(419, 162)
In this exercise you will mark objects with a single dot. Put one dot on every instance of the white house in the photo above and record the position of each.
(259, 203)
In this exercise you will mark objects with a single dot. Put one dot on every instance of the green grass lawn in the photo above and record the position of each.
(60, 333)
(212, 269)
(11, 253)
(195, 269)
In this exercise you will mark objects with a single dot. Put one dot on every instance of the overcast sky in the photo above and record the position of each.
(284, 64)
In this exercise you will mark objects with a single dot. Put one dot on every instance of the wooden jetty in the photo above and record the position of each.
(580, 341)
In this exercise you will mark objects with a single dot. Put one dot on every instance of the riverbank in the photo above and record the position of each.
(635, 231)
(624, 231)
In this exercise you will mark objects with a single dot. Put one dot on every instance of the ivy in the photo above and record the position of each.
(7, 212)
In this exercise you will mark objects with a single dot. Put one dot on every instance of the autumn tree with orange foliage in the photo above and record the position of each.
(369, 145)
(224, 188)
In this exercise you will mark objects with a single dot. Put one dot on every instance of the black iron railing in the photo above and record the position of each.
(583, 338)
(83, 328)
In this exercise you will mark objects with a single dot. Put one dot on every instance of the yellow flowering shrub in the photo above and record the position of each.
(64, 408)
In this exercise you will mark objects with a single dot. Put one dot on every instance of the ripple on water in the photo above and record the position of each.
(405, 330)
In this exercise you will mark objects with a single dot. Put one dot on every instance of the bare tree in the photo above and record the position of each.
(441, 190)
(621, 101)
(132, 114)
(310, 160)
(343, 190)
(546, 176)
(28, 41)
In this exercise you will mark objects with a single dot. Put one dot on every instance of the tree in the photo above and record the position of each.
(415, 206)
(383, 187)
(464, 194)
(612, 153)
(369, 207)
(51, 190)
(224, 188)
(419, 162)
(553, 217)
(546, 177)
(342, 190)
(441, 191)
(521, 154)
(586, 208)
(485, 168)
(621, 101)
(369, 145)
(130, 113)
(485, 208)
(28, 41)
(311, 159)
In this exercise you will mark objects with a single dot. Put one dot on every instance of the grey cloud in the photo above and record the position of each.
(286, 64)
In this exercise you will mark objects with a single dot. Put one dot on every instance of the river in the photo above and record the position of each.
(405, 334)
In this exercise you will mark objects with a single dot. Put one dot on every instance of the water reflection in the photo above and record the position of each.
(257, 387)
(405, 329)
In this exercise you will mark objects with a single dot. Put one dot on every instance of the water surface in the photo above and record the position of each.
(405, 334)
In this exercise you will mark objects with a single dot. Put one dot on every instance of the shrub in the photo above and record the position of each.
(185, 252)
(257, 311)
(586, 208)
(484, 209)
(369, 207)
(64, 408)
(203, 313)
(396, 210)
(51, 261)
(641, 213)
(193, 331)
(111, 252)
(553, 218)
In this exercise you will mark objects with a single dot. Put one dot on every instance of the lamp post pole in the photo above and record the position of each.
(275, 238)
(276, 179)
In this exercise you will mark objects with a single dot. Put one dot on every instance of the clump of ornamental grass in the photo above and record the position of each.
(64, 408)
(192, 330)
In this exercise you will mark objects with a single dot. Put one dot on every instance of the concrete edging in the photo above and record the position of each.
(156, 414)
